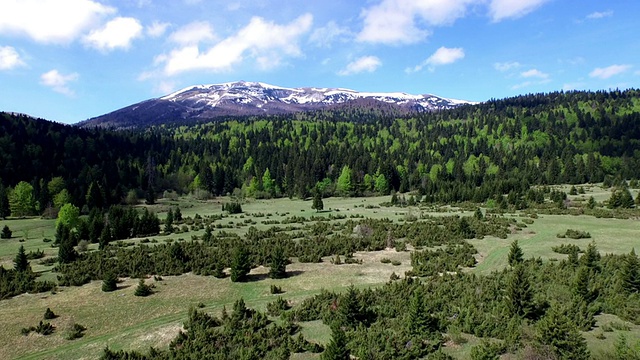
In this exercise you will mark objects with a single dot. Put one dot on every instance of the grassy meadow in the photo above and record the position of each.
(121, 320)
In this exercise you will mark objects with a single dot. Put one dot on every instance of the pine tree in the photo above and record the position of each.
(515, 254)
(21, 263)
(591, 257)
(105, 237)
(278, 266)
(6, 233)
(562, 336)
(581, 285)
(110, 282)
(591, 203)
(478, 214)
(337, 347)
(143, 289)
(207, 237)
(350, 312)
(168, 222)
(66, 252)
(150, 198)
(519, 295)
(4, 202)
(317, 205)
(419, 321)
(48, 314)
(240, 264)
(630, 273)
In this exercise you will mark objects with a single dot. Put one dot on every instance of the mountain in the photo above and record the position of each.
(255, 98)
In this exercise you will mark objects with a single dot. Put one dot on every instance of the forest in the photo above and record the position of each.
(500, 166)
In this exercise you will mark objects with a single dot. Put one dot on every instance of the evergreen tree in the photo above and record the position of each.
(94, 198)
(150, 197)
(4, 202)
(278, 266)
(168, 222)
(110, 282)
(337, 347)
(591, 203)
(48, 314)
(591, 257)
(478, 214)
(344, 184)
(21, 263)
(240, 264)
(562, 336)
(581, 285)
(143, 289)
(208, 236)
(6, 233)
(177, 215)
(66, 252)
(350, 311)
(105, 237)
(317, 205)
(630, 273)
(515, 254)
(519, 295)
(419, 322)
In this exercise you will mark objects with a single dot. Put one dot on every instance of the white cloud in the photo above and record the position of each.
(193, 33)
(58, 82)
(511, 9)
(9, 58)
(442, 56)
(609, 71)
(117, 33)
(363, 64)
(264, 41)
(326, 35)
(394, 21)
(506, 66)
(50, 21)
(157, 29)
(600, 15)
(534, 73)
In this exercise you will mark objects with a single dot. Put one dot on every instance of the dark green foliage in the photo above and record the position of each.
(232, 207)
(478, 214)
(48, 314)
(143, 289)
(566, 249)
(240, 264)
(168, 222)
(76, 332)
(4, 202)
(43, 328)
(576, 234)
(317, 205)
(486, 351)
(582, 287)
(337, 348)
(274, 289)
(561, 335)
(591, 257)
(6, 233)
(621, 198)
(515, 254)
(277, 307)
(630, 273)
(519, 294)
(110, 282)
(148, 224)
(66, 242)
(278, 264)
(419, 322)
(21, 263)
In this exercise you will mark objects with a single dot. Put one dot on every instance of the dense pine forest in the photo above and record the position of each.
(491, 158)
(470, 153)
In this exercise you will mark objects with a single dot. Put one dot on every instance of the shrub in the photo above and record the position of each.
(277, 307)
(6, 233)
(385, 260)
(76, 332)
(276, 289)
(143, 289)
(48, 314)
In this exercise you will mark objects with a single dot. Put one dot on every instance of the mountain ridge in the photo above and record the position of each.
(242, 98)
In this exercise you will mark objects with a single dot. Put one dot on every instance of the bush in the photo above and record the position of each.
(143, 289)
(277, 307)
(276, 289)
(6, 233)
(385, 260)
(76, 332)
(48, 314)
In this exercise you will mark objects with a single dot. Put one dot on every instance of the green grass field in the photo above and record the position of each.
(122, 321)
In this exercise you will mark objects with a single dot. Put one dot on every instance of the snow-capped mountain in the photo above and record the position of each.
(256, 98)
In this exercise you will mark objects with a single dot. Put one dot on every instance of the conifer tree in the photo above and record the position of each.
(515, 254)
(519, 295)
(630, 273)
(591, 257)
(278, 266)
(581, 285)
(419, 321)
(317, 205)
(6, 233)
(562, 336)
(168, 222)
(143, 289)
(110, 282)
(66, 252)
(337, 347)
(240, 264)
(21, 263)
(4, 202)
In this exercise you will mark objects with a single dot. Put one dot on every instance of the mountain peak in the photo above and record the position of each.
(241, 98)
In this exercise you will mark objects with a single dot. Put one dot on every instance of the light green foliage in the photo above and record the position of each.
(344, 181)
(61, 198)
(56, 185)
(21, 200)
(268, 184)
(68, 215)
(382, 185)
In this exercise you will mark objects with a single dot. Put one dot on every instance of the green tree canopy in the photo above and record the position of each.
(22, 200)
(69, 215)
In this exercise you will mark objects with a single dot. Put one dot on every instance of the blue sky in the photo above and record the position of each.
(69, 60)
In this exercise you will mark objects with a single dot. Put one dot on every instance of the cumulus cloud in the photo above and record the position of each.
(506, 66)
(398, 21)
(58, 82)
(51, 21)
(264, 41)
(609, 71)
(328, 34)
(599, 15)
(534, 73)
(193, 33)
(117, 33)
(363, 64)
(157, 29)
(442, 56)
(511, 9)
(9, 58)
